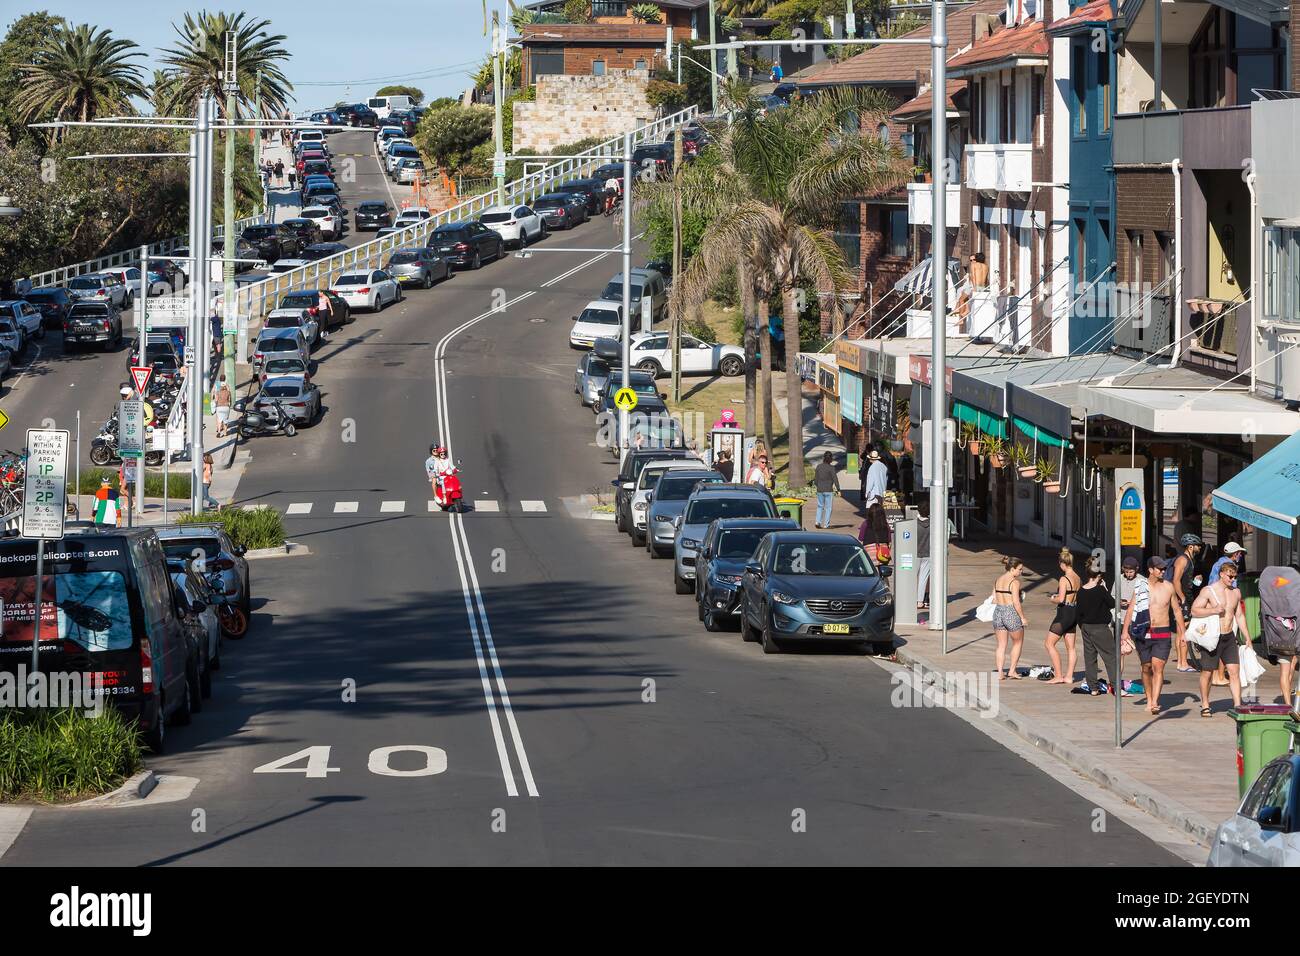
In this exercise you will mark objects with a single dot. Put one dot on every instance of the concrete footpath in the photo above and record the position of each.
(1177, 766)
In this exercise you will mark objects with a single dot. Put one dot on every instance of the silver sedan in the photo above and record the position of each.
(300, 399)
(417, 267)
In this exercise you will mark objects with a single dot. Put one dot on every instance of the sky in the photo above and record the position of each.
(339, 51)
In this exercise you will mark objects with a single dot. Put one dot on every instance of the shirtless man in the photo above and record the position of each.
(1150, 623)
(1184, 591)
(1224, 599)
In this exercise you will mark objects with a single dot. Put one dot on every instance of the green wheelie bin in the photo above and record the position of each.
(790, 508)
(1262, 734)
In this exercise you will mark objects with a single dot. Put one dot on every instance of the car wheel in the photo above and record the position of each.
(428, 281)
(638, 540)
(185, 712)
(747, 633)
(651, 366)
(681, 586)
(883, 648)
(731, 366)
(156, 737)
(477, 262)
(40, 331)
(770, 646)
(710, 622)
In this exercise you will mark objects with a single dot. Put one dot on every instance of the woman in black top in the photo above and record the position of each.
(1095, 604)
(1062, 625)
(725, 466)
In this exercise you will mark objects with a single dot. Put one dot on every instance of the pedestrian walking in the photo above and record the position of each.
(293, 178)
(208, 500)
(827, 481)
(1063, 625)
(222, 399)
(1222, 599)
(1009, 621)
(1150, 622)
(279, 172)
(922, 554)
(1182, 577)
(107, 512)
(1095, 606)
(873, 533)
(874, 475)
(725, 466)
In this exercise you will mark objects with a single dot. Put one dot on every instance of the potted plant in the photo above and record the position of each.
(971, 437)
(996, 450)
(1046, 475)
(1022, 460)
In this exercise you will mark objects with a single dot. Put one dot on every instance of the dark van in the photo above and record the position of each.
(108, 609)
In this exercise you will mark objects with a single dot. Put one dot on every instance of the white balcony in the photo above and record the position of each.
(920, 205)
(999, 167)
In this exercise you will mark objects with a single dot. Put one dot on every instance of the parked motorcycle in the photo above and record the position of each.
(234, 623)
(274, 420)
(104, 449)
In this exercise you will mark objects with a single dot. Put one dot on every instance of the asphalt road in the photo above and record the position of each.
(583, 714)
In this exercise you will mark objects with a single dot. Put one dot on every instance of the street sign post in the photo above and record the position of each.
(1129, 532)
(45, 496)
(130, 428)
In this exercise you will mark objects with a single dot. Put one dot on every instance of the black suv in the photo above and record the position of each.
(591, 190)
(363, 116)
(630, 472)
(655, 157)
(372, 215)
(53, 305)
(266, 238)
(466, 244)
(304, 230)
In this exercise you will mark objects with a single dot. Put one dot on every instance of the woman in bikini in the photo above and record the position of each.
(1067, 615)
(1008, 616)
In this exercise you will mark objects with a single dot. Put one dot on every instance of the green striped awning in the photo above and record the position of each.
(1042, 435)
(985, 422)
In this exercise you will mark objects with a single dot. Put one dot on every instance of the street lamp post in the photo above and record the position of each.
(938, 321)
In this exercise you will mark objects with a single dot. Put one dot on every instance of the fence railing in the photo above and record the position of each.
(129, 257)
(256, 299)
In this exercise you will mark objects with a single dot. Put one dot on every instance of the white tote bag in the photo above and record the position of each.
(1204, 631)
(985, 611)
(1251, 669)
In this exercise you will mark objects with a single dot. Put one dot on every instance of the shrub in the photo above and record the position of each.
(63, 754)
(251, 528)
(671, 96)
(178, 481)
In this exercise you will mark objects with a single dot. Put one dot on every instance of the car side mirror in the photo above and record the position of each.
(885, 571)
(240, 550)
(1270, 818)
(575, 319)
(753, 567)
(614, 482)
(649, 497)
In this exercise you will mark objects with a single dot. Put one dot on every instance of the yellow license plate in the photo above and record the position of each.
(835, 629)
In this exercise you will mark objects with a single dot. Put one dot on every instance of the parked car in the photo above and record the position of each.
(466, 244)
(92, 323)
(130, 277)
(387, 132)
(630, 471)
(1265, 830)
(117, 617)
(317, 167)
(815, 586)
(306, 231)
(665, 504)
(562, 210)
(386, 231)
(296, 318)
(644, 284)
(517, 224)
(608, 171)
(397, 151)
(290, 367)
(53, 303)
(420, 267)
(371, 215)
(213, 551)
(26, 316)
(364, 119)
(653, 352)
(648, 396)
(329, 222)
(299, 398)
(288, 265)
(651, 425)
(316, 192)
(727, 546)
(408, 170)
(279, 343)
(101, 287)
(268, 238)
(409, 217)
(302, 136)
(653, 159)
(367, 289)
(13, 341)
(705, 505)
(592, 374)
(592, 192)
(160, 355)
(406, 119)
(246, 254)
(194, 603)
(599, 318)
(328, 118)
(639, 504)
(322, 250)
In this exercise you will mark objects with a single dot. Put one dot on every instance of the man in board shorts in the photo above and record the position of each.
(1223, 598)
(1150, 623)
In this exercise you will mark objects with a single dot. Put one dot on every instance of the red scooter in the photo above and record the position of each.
(446, 493)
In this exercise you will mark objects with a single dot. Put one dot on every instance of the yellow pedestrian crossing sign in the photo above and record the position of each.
(625, 398)
(4, 419)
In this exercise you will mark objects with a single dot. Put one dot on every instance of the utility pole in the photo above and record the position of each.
(498, 131)
(230, 81)
(142, 319)
(713, 54)
(938, 322)
(677, 262)
(201, 254)
(624, 436)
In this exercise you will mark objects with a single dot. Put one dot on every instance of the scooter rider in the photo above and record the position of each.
(613, 189)
(438, 466)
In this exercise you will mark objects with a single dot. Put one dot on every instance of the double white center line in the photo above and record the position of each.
(494, 683)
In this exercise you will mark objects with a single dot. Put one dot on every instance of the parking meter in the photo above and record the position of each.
(907, 569)
(647, 312)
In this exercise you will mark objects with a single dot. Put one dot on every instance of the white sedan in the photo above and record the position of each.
(517, 224)
(653, 352)
(367, 289)
(1265, 830)
(331, 224)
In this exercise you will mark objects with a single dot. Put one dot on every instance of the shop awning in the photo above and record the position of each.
(1206, 410)
(986, 423)
(1040, 435)
(1266, 494)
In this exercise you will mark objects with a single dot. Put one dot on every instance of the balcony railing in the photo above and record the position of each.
(999, 167)
(920, 205)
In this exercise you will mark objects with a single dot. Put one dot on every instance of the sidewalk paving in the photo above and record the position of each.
(1177, 766)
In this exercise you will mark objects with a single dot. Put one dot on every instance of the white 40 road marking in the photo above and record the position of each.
(485, 652)
(316, 762)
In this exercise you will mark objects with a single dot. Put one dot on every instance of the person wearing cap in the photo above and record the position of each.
(106, 509)
(1222, 599)
(875, 479)
(1123, 591)
(1233, 553)
(1181, 576)
(1150, 623)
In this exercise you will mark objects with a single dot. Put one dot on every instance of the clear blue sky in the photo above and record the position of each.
(330, 42)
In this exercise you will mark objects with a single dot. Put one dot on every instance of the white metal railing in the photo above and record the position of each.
(252, 299)
(999, 167)
(128, 257)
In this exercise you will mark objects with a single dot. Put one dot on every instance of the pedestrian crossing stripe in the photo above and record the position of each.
(481, 506)
(388, 507)
(346, 507)
(487, 506)
(533, 505)
(299, 508)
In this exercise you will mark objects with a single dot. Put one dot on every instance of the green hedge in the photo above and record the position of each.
(178, 481)
(64, 755)
(251, 528)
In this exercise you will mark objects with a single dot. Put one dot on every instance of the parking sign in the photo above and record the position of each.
(45, 489)
(130, 428)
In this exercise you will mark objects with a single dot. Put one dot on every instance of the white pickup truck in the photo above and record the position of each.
(24, 315)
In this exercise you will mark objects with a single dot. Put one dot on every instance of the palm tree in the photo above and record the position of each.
(773, 197)
(198, 61)
(80, 73)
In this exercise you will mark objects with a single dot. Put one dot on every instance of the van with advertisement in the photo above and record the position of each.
(108, 612)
